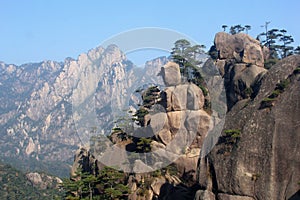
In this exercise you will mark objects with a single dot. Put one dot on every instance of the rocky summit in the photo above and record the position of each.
(43, 104)
(257, 155)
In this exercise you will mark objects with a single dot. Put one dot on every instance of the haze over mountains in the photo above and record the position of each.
(38, 101)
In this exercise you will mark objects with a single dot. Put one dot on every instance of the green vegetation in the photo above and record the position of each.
(140, 116)
(267, 103)
(248, 92)
(156, 173)
(237, 29)
(278, 43)
(233, 133)
(144, 145)
(187, 57)
(268, 99)
(15, 185)
(229, 140)
(280, 87)
(297, 50)
(108, 184)
(171, 169)
(150, 96)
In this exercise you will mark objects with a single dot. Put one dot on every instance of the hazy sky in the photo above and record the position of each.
(33, 31)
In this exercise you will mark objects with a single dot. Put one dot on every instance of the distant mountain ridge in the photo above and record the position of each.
(37, 101)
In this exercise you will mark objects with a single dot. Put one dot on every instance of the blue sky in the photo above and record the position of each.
(37, 30)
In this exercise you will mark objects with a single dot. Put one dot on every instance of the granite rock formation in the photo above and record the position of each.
(257, 155)
(241, 62)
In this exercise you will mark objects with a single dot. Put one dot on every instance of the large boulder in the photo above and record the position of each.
(165, 136)
(174, 119)
(183, 97)
(171, 74)
(241, 47)
(195, 98)
(179, 97)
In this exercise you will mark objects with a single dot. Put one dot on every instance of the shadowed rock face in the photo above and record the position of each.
(262, 160)
(241, 62)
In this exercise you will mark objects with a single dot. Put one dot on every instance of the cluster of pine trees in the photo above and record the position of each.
(108, 184)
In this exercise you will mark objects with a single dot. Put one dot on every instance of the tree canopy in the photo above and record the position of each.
(187, 57)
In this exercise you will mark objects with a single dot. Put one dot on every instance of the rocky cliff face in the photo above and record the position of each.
(241, 62)
(39, 104)
(178, 133)
(257, 155)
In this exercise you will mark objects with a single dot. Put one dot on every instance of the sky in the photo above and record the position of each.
(38, 30)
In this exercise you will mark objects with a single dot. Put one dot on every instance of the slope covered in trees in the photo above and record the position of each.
(15, 185)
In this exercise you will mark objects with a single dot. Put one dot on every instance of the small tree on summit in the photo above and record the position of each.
(286, 40)
(236, 29)
(247, 27)
(297, 50)
(278, 43)
(179, 52)
(224, 27)
(186, 56)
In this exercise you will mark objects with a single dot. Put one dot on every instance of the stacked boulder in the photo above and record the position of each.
(186, 124)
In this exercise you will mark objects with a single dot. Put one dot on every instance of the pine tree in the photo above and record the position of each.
(236, 29)
(247, 27)
(224, 27)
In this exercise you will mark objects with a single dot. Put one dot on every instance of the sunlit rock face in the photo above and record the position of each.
(39, 107)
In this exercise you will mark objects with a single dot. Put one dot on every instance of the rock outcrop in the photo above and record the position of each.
(43, 181)
(171, 74)
(240, 47)
(241, 62)
(257, 155)
(179, 131)
(84, 161)
(186, 120)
